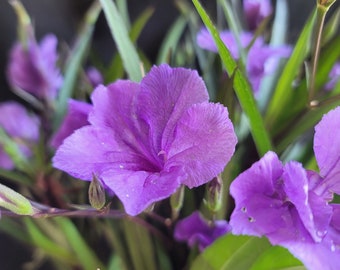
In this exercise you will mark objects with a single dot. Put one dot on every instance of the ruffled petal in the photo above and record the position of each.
(204, 143)
(327, 149)
(314, 212)
(114, 108)
(93, 150)
(166, 93)
(257, 199)
(137, 190)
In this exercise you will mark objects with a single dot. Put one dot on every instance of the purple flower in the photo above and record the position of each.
(196, 230)
(255, 11)
(262, 59)
(33, 69)
(75, 118)
(333, 77)
(290, 206)
(146, 139)
(21, 126)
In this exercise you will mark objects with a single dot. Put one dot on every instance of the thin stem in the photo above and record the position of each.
(321, 12)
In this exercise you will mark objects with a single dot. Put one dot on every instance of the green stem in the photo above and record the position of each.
(321, 12)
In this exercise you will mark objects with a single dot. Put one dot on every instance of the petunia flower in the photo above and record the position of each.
(262, 59)
(20, 126)
(33, 68)
(146, 139)
(291, 206)
(255, 11)
(75, 118)
(196, 230)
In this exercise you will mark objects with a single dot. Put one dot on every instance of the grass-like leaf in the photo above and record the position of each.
(120, 35)
(241, 86)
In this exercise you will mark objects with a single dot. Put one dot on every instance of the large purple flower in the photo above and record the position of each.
(262, 59)
(147, 139)
(290, 205)
(20, 126)
(196, 230)
(33, 68)
(255, 11)
(75, 118)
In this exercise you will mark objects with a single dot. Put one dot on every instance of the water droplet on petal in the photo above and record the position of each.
(121, 167)
(251, 219)
(244, 210)
(321, 233)
(127, 195)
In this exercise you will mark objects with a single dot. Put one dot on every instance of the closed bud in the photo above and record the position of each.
(326, 3)
(176, 202)
(15, 202)
(96, 194)
(213, 196)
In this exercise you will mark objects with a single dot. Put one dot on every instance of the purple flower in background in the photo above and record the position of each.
(255, 11)
(262, 59)
(75, 118)
(334, 75)
(19, 126)
(290, 205)
(94, 76)
(33, 69)
(195, 230)
(146, 139)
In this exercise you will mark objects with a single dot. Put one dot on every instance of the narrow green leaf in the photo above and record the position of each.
(241, 86)
(83, 252)
(139, 24)
(170, 42)
(49, 247)
(231, 252)
(120, 34)
(73, 65)
(284, 91)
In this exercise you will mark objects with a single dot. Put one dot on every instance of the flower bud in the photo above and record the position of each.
(96, 194)
(176, 202)
(15, 202)
(213, 194)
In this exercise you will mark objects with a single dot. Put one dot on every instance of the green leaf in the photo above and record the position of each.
(241, 86)
(120, 35)
(15, 202)
(231, 252)
(170, 42)
(284, 93)
(73, 65)
(49, 247)
(139, 24)
(277, 258)
(239, 252)
(83, 252)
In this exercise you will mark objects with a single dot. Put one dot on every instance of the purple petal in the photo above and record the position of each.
(94, 76)
(204, 142)
(257, 200)
(137, 190)
(34, 69)
(18, 123)
(197, 231)
(255, 11)
(166, 93)
(314, 212)
(114, 108)
(75, 118)
(93, 150)
(206, 41)
(327, 149)
(333, 77)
